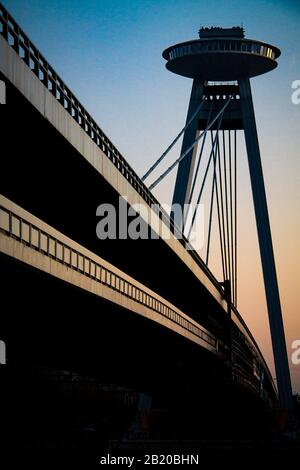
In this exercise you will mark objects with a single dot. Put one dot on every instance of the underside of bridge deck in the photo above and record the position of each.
(50, 327)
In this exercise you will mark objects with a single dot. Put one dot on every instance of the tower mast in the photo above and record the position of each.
(225, 55)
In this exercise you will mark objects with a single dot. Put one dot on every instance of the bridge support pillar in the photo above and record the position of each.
(266, 248)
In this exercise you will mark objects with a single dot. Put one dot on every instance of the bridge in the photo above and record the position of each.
(147, 315)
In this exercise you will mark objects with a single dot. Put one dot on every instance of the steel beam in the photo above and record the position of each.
(266, 248)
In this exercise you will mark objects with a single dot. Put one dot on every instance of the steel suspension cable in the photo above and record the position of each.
(235, 219)
(231, 215)
(197, 167)
(200, 157)
(221, 239)
(202, 186)
(201, 190)
(167, 171)
(152, 168)
(222, 205)
(226, 199)
(210, 220)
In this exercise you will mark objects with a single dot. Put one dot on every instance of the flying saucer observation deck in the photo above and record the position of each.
(221, 58)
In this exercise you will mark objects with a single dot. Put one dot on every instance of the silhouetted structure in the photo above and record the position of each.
(94, 315)
(222, 55)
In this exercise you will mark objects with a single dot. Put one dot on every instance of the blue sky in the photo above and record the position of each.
(109, 53)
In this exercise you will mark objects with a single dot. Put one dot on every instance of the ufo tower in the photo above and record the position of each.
(221, 63)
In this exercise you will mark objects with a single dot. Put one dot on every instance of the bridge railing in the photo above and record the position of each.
(251, 343)
(29, 53)
(32, 235)
(38, 239)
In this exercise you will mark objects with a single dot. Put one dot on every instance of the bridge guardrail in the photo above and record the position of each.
(251, 342)
(20, 228)
(31, 235)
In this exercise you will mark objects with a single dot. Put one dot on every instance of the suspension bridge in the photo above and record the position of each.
(147, 315)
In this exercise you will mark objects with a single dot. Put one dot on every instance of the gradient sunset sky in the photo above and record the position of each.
(109, 53)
